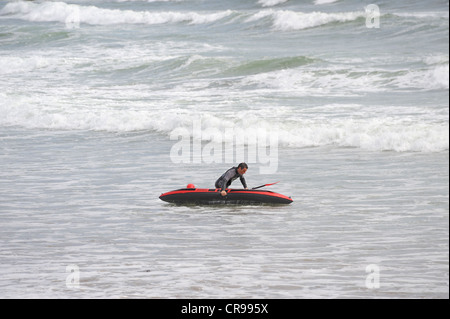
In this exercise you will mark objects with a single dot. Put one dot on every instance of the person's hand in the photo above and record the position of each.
(223, 193)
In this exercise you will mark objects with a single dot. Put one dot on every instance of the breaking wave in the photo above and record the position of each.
(63, 12)
(374, 134)
(279, 20)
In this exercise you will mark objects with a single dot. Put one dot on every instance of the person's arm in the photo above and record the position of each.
(244, 183)
(223, 191)
(227, 176)
(224, 184)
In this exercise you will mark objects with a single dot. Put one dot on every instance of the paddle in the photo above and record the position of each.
(265, 185)
(255, 187)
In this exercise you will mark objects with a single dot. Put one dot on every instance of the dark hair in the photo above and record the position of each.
(243, 165)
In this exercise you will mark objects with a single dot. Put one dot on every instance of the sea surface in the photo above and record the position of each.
(104, 105)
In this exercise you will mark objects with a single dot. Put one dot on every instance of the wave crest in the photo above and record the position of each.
(373, 134)
(62, 12)
(292, 21)
(271, 3)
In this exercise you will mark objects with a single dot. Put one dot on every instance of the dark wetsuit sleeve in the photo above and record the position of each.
(226, 178)
(244, 183)
(224, 185)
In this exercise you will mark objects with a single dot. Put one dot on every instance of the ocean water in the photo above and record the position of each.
(95, 96)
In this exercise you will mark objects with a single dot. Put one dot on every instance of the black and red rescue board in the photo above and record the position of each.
(205, 196)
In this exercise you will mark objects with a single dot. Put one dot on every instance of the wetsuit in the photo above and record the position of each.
(228, 177)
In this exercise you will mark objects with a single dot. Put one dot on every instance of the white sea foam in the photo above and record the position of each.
(178, 101)
(436, 78)
(436, 59)
(319, 2)
(316, 82)
(381, 134)
(271, 3)
(150, 1)
(424, 15)
(61, 12)
(376, 134)
(14, 64)
(286, 20)
(260, 15)
(290, 20)
(341, 81)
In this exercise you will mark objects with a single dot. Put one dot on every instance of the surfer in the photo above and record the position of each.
(230, 175)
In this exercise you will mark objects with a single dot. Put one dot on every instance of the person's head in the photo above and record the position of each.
(242, 168)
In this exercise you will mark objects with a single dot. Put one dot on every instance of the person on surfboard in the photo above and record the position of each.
(230, 175)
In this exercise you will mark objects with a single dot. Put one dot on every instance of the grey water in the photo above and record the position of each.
(92, 92)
